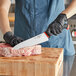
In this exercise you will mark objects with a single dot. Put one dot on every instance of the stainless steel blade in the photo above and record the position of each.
(32, 41)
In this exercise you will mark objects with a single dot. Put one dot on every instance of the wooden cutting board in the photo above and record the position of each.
(46, 64)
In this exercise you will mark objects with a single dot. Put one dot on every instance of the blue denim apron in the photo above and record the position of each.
(32, 17)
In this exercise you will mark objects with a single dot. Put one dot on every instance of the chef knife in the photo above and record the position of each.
(34, 40)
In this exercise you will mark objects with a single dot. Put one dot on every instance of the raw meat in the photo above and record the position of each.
(7, 51)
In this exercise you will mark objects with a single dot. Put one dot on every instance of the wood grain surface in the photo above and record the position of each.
(11, 17)
(46, 64)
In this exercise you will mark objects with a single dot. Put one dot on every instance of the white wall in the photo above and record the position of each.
(13, 1)
(67, 1)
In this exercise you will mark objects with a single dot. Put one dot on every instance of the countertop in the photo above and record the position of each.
(69, 66)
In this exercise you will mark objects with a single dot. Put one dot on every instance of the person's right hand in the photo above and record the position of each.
(58, 25)
(11, 39)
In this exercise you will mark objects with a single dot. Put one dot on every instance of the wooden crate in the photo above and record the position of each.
(46, 64)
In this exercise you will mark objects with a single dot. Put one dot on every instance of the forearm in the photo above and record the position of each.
(71, 9)
(4, 21)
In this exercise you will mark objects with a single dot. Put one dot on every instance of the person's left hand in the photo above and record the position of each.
(57, 25)
(11, 39)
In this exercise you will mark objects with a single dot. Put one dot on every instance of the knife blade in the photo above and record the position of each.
(34, 40)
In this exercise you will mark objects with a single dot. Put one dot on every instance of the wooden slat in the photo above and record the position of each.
(11, 17)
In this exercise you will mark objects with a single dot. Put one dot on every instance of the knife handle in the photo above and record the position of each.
(50, 34)
(68, 27)
(47, 34)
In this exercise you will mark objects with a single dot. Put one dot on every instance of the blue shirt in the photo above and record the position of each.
(32, 17)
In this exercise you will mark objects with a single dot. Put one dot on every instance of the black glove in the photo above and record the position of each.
(58, 25)
(11, 39)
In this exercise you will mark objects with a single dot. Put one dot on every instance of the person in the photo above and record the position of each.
(33, 17)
